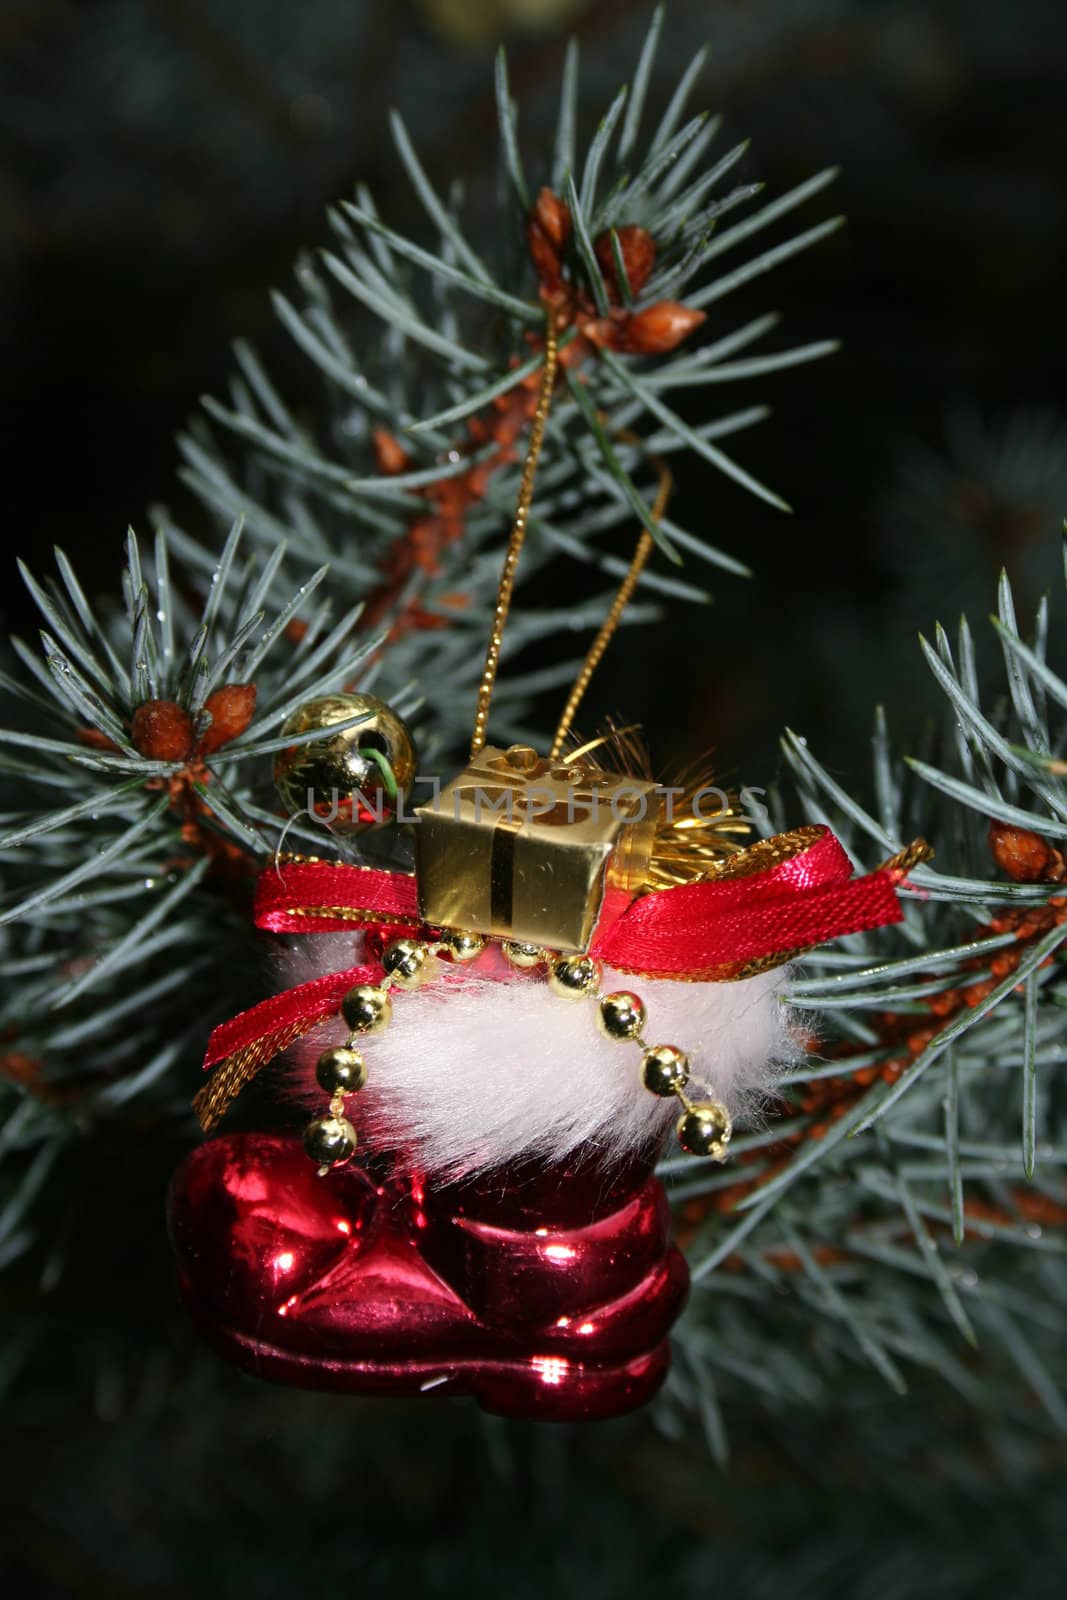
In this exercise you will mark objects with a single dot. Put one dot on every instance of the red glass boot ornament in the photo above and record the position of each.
(545, 1292)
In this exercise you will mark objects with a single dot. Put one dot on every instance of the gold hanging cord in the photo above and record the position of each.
(618, 605)
(511, 560)
(518, 535)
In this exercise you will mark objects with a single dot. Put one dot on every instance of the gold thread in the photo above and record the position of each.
(352, 914)
(291, 860)
(232, 1075)
(612, 736)
(518, 536)
(765, 853)
(912, 855)
(688, 843)
(618, 605)
(728, 973)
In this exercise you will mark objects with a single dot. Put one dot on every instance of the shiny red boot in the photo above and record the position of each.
(542, 1292)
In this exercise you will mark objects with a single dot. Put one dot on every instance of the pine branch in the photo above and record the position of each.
(966, 1030)
(433, 415)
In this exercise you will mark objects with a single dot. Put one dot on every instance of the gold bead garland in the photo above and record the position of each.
(367, 1009)
(704, 1128)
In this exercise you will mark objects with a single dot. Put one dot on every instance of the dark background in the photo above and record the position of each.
(163, 163)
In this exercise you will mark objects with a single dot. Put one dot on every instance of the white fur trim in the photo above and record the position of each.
(474, 1072)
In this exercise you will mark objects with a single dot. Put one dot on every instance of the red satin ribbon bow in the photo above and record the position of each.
(716, 928)
(706, 931)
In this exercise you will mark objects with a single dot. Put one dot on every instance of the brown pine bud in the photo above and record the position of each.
(389, 452)
(162, 731)
(604, 333)
(943, 1005)
(638, 250)
(547, 231)
(553, 218)
(18, 1067)
(1023, 855)
(231, 709)
(660, 327)
(95, 739)
(544, 256)
(613, 332)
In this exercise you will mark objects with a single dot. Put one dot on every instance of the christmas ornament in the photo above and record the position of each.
(542, 1291)
(505, 1036)
(354, 777)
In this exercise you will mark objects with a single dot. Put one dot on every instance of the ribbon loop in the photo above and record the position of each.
(330, 896)
(747, 920)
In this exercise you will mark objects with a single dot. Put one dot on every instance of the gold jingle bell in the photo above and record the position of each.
(353, 780)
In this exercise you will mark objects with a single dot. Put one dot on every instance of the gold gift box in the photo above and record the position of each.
(534, 850)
